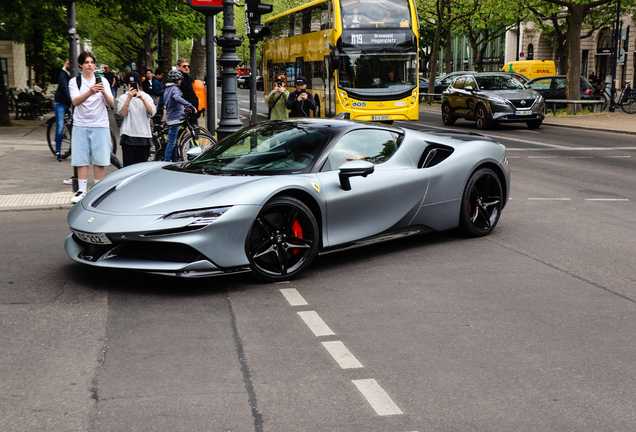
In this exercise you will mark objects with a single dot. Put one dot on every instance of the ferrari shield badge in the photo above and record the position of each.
(316, 186)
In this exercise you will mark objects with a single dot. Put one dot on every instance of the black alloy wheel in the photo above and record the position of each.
(481, 118)
(482, 202)
(283, 240)
(447, 116)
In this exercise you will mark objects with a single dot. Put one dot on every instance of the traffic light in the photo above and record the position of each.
(254, 9)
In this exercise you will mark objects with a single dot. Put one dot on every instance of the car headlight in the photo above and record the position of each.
(203, 217)
(497, 101)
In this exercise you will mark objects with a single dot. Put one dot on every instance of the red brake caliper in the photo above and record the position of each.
(297, 230)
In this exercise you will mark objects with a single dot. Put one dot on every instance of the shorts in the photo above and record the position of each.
(90, 143)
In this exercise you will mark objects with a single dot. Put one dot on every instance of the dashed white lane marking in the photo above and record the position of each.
(293, 297)
(606, 199)
(617, 156)
(315, 323)
(377, 397)
(543, 157)
(550, 199)
(342, 355)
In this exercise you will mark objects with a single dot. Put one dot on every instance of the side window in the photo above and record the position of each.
(541, 84)
(560, 83)
(459, 83)
(470, 81)
(298, 23)
(372, 145)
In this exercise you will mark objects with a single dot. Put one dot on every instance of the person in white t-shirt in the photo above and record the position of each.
(91, 127)
(136, 107)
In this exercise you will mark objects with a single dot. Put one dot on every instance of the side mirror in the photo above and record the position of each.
(194, 152)
(354, 169)
(334, 55)
(469, 88)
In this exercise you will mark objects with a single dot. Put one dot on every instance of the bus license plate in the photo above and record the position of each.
(379, 117)
(93, 238)
(523, 113)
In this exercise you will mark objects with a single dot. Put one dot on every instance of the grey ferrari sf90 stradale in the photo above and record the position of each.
(270, 197)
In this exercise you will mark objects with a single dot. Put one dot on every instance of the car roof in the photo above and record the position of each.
(331, 123)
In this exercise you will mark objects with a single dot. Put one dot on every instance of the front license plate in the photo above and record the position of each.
(523, 113)
(379, 117)
(93, 238)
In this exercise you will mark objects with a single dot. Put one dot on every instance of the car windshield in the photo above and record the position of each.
(264, 149)
(498, 82)
(368, 73)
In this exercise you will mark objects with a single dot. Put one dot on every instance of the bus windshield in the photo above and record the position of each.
(376, 14)
(377, 74)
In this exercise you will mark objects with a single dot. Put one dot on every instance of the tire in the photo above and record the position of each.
(482, 202)
(447, 115)
(282, 241)
(481, 118)
(600, 106)
(114, 160)
(206, 141)
(66, 138)
(159, 150)
(629, 106)
(317, 110)
(534, 124)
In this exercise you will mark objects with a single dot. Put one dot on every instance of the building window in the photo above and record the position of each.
(530, 52)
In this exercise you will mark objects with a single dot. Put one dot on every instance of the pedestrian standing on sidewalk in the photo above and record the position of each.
(300, 102)
(91, 126)
(136, 107)
(277, 100)
(159, 90)
(61, 103)
(175, 104)
(187, 90)
(112, 82)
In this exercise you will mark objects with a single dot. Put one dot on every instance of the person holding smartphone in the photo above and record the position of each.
(91, 127)
(136, 107)
(300, 102)
(277, 100)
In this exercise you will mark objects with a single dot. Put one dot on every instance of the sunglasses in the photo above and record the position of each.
(185, 66)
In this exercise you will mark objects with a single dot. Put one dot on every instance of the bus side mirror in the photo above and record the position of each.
(334, 55)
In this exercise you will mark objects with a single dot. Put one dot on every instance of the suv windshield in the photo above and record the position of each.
(498, 82)
(264, 149)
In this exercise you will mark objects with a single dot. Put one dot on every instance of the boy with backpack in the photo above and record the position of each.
(91, 127)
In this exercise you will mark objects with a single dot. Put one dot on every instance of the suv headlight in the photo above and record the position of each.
(497, 101)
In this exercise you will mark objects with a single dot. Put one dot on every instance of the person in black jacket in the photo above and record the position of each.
(300, 102)
(186, 88)
(61, 102)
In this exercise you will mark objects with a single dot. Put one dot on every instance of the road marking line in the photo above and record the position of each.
(342, 355)
(550, 199)
(606, 199)
(293, 297)
(377, 397)
(617, 156)
(543, 157)
(315, 323)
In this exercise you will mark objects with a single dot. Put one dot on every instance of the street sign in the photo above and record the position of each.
(521, 54)
(207, 7)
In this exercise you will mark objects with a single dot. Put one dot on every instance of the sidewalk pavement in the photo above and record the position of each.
(31, 178)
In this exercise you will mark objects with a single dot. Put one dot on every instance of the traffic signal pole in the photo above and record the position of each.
(254, 9)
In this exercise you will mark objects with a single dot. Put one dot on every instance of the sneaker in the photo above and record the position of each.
(68, 181)
(78, 197)
(58, 155)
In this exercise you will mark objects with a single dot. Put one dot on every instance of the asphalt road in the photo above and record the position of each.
(529, 329)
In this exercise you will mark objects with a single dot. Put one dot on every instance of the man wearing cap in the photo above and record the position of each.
(300, 102)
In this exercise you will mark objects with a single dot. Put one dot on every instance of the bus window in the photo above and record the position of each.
(370, 72)
(367, 14)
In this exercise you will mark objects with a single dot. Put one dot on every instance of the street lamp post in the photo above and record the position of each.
(617, 44)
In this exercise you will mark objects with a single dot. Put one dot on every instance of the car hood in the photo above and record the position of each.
(162, 191)
(511, 94)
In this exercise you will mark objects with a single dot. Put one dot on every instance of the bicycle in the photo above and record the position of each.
(627, 98)
(65, 150)
(599, 94)
(192, 135)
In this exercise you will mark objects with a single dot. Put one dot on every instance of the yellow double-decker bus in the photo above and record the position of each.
(358, 56)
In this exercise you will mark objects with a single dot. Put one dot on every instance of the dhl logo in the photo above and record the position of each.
(543, 71)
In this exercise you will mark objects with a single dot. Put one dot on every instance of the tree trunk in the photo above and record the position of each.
(197, 62)
(449, 59)
(149, 53)
(575, 23)
(167, 55)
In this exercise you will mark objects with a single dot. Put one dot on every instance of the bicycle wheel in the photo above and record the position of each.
(599, 107)
(629, 106)
(65, 149)
(205, 142)
(113, 142)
